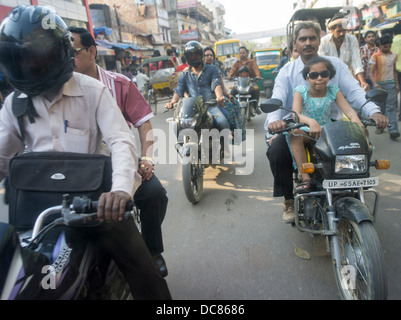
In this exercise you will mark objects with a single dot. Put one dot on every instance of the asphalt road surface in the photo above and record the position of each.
(233, 244)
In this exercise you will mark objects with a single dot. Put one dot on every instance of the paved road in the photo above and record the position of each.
(233, 244)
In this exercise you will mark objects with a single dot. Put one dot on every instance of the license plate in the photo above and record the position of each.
(350, 183)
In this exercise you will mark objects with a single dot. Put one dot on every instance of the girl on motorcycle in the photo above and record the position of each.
(313, 105)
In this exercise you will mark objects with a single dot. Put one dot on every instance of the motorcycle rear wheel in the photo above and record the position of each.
(192, 178)
(362, 274)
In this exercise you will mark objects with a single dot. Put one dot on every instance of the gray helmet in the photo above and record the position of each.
(36, 52)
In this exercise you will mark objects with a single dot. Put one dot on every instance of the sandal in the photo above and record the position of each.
(303, 187)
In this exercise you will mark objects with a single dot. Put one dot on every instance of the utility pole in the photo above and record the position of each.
(118, 24)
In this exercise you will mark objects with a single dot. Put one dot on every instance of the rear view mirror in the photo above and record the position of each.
(376, 95)
(243, 69)
(271, 105)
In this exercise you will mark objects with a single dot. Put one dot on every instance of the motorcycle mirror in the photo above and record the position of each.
(243, 69)
(376, 95)
(271, 105)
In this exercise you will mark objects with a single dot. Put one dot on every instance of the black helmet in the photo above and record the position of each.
(193, 53)
(36, 52)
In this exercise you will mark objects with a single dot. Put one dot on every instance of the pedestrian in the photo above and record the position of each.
(306, 41)
(150, 198)
(396, 48)
(183, 65)
(367, 50)
(384, 75)
(339, 43)
(39, 62)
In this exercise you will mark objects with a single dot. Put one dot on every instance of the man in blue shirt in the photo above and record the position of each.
(201, 80)
(307, 41)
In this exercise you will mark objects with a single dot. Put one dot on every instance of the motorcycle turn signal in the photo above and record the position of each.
(382, 164)
(308, 168)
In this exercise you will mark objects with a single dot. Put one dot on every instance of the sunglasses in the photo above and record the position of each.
(314, 75)
(77, 50)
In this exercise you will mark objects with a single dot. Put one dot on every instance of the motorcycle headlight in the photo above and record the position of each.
(352, 164)
(243, 90)
(188, 123)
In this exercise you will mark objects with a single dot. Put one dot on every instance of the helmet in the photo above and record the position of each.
(193, 53)
(36, 52)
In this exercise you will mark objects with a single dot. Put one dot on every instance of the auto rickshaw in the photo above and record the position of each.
(159, 70)
(321, 16)
(267, 60)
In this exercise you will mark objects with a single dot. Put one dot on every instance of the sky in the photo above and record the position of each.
(256, 15)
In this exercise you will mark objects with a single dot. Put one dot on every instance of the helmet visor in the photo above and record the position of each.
(29, 62)
(194, 57)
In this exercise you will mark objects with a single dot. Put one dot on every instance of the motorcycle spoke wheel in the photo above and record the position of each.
(192, 177)
(361, 275)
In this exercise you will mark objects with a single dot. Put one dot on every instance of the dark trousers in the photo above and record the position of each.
(151, 199)
(124, 244)
(281, 167)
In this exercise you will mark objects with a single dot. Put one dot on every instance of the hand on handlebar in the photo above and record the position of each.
(170, 105)
(111, 206)
(220, 100)
(381, 120)
(277, 125)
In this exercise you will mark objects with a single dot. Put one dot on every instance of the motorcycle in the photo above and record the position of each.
(56, 261)
(242, 87)
(199, 142)
(336, 205)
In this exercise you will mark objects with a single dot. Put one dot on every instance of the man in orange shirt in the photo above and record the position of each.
(253, 72)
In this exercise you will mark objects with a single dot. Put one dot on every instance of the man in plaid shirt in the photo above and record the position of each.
(367, 51)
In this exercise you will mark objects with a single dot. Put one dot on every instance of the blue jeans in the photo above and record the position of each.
(219, 118)
(391, 105)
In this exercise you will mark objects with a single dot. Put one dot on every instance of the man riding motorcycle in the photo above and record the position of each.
(252, 72)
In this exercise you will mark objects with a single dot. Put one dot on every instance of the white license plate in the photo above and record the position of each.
(350, 183)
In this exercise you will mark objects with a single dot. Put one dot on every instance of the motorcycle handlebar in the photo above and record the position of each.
(290, 126)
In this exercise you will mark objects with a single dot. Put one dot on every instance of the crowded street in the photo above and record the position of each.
(126, 104)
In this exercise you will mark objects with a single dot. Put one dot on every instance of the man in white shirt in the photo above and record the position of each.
(307, 40)
(339, 43)
(141, 80)
(70, 112)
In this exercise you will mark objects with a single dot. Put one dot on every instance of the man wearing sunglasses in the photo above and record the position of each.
(339, 43)
(306, 42)
(151, 196)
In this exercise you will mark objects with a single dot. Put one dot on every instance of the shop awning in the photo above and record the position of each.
(102, 51)
(108, 31)
(119, 45)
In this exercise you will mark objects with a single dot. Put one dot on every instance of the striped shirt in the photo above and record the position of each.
(384, 66)
(366, 54)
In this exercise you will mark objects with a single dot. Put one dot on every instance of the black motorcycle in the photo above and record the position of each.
(336, 207)
(199, 142)
(56, 261)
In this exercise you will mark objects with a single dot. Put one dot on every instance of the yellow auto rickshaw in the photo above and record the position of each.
(160, 70)
(267, 60)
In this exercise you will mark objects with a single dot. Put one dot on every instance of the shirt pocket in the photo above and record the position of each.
(76, 140)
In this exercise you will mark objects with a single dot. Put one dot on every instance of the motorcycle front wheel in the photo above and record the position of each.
(362, 273)
(192, 178)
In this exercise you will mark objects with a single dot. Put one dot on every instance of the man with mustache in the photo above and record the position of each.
(339, 43)
(306, 42)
